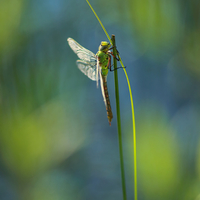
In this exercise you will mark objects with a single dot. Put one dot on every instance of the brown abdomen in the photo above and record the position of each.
(108, 107)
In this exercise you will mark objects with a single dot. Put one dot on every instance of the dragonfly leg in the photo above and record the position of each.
(114, 56)
(117, 58)
(109, 62)
(116, 68)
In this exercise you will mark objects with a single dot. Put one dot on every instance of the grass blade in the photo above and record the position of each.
(118, 119)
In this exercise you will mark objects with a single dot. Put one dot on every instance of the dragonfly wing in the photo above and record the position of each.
(88, 68)
(82, 53)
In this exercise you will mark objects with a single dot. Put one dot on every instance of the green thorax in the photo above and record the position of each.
(103, 62)
(103, 57)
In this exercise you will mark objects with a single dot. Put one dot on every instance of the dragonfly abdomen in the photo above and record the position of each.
(107, 103)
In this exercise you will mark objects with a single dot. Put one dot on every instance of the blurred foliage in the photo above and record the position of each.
(189, 55)
(158, 24)
(161, 172)
(49, 111)
(158, 154)
(56, 185)
(34, 142)
(10, 17)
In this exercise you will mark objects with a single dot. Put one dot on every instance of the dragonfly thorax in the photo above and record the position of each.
(103, 59)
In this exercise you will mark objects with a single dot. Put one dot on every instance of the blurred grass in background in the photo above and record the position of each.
(55, 141)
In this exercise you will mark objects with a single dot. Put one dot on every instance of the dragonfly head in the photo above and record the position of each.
(104, 46)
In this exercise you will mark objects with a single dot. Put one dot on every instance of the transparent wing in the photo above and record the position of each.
(82, 53)
(88, 68)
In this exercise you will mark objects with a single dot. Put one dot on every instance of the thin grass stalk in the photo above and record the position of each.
(118, 119)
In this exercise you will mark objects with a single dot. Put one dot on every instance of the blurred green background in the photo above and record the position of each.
(55, 140)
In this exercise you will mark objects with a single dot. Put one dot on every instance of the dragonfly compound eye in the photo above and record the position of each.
(104, 43)
(104, 46)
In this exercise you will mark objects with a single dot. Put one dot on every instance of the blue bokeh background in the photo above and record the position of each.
(55, 140)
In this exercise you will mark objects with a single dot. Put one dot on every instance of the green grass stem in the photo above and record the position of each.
(118, 119)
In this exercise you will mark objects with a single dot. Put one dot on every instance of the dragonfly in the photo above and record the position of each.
(95, 67)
